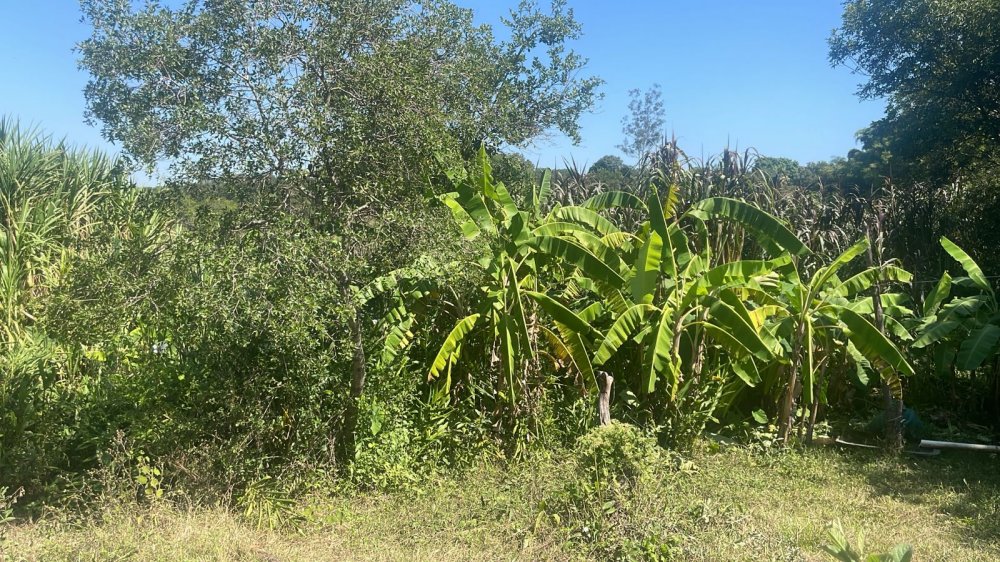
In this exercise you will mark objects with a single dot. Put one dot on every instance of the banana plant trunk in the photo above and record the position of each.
(788, 401)
(892, 407)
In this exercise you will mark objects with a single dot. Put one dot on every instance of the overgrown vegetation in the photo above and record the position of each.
(308, 330)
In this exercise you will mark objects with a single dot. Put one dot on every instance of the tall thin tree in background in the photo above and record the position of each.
(643, 126)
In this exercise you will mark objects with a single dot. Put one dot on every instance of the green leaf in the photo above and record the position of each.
(614, 199)
(516, 314)
(577, 255)
(765, 227)
(980, 345)
(624, 327)
(561, 313)
(861, 364)
(725, 339)
(825, 274)
(545, 189)
(968, 264)
(556, 228)
(661, 360)
(506, 201)
(598, 248)
(935, 332)
(809, 365)
(464, 220)
(735, 323)
(398, 339)
(448, 354)
(647, 269)
(508, 356)
(578, 350)
(574, 353)
(897, 329)
(483, 174)
(586, 217)
(937, 296)
(864, 280)
(743, 270)
(899, 553)
(872, 344)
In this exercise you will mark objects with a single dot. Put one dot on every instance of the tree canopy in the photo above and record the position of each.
(350, 91)
(938, 64)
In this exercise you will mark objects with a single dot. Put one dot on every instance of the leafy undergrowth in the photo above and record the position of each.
(730, 504)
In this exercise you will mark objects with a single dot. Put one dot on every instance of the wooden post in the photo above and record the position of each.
(604, 381)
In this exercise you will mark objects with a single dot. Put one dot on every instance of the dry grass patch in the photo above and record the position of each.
(732, 505)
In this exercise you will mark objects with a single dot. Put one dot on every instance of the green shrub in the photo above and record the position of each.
(616, 454)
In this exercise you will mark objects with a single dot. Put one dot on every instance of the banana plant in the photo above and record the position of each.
(484, 210)
(964, 331)
(657, 292)
(822, 312)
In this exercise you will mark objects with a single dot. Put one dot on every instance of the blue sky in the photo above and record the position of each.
(747, 74)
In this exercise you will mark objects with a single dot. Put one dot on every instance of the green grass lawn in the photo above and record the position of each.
(732, 504)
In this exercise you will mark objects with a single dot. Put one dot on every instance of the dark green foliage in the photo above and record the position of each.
(225, 337)
(937, 62)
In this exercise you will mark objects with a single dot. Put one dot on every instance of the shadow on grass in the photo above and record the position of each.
(962, 485)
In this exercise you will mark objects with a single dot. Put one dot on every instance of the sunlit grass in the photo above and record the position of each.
(728, 505)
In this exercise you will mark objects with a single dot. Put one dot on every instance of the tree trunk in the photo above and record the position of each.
(604, 381)
(349, 436)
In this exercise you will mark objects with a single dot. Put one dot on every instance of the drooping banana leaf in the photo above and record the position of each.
(516, 317)
(450, 349)
(586, 217)
(561, 313)
(614, 199)
(660, 360)
(864, 280)
(575, 355)
(935, 331)
(578, 256)
(399, 338)
(766, 229)
(980, 345)
(580, 352)
(871, 343)
(629, 323)
(725, 317)
(968, 264)
(462, 217)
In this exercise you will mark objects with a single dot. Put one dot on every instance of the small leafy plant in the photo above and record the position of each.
(842, 550)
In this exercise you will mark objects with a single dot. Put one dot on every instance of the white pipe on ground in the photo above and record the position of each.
(963, 446)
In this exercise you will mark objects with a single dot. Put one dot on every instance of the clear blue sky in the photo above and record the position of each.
(737, 72)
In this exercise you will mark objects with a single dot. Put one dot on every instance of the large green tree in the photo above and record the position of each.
(348, 92)
(937, 62)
